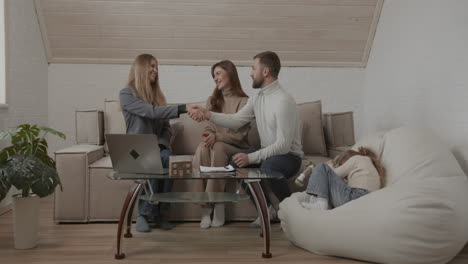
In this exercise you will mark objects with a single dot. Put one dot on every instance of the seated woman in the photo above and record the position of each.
(145, 111)
(219, 143)
(350, 176)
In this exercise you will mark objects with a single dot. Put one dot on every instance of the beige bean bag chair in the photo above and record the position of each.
(420, 216)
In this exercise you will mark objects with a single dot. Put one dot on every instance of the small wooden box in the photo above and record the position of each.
(180, 166)
(89, 126)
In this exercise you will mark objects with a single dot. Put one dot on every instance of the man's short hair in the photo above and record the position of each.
(270, 60)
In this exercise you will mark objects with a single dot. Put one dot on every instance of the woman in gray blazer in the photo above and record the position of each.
(146, 112)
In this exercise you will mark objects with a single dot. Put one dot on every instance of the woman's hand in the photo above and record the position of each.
(198, 113)
(209, 138)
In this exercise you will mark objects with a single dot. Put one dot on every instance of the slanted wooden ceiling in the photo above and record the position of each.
(201, 32)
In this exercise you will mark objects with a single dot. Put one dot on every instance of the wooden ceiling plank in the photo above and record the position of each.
(255, 2)
(303, 32)
(183, 43)
(210, 21)
(197, 9)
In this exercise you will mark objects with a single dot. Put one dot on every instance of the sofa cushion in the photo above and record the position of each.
(104, 163)
(115, 123)
(89, 124)
(339, 129)
(313, 139)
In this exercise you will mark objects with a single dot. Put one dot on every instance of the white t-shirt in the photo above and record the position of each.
(360, 173)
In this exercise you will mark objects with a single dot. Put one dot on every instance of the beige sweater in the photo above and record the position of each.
(360, 173)
(237, 138)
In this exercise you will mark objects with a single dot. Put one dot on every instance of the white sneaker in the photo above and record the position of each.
(316, 203)
(206, 217)
(322, 203)
(309, 198)
(218, 215)
(305, 174)
(300, 180)
(256, 222)
(271, 213)
(308, 201)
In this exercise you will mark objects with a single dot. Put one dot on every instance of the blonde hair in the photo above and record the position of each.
(138, 80)
(362, 151)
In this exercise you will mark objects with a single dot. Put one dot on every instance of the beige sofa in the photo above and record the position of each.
(90, 196)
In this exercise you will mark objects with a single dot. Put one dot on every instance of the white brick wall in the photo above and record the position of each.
(417, 72)
(26, 70)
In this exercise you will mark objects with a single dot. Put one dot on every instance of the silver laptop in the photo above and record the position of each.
(131, 153)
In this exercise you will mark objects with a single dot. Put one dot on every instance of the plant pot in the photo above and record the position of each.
(25, 220)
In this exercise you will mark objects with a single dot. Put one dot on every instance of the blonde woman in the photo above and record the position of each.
(352, 175)
(146, 112)
(219, 143)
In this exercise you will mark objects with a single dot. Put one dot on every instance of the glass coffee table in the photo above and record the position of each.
(250, 176)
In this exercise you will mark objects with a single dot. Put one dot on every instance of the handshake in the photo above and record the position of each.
(198, 113)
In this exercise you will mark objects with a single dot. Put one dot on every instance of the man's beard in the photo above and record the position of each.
(256, 84)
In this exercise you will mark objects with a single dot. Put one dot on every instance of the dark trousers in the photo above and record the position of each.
(159, 186)
(287, 165)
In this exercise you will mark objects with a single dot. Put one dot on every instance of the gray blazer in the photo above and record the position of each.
(144, 118)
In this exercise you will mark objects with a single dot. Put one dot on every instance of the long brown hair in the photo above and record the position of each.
(363, 151)
(138, 80)
(217, 99)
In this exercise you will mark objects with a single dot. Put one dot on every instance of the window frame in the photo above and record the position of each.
(4, 62)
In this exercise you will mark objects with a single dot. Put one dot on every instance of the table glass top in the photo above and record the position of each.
(195, 197)
(239, 174)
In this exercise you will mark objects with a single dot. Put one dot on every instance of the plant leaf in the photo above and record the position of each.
(22, 170)
(9, 133)
(46, 159)
(5, 184)
(52, 131)
(27, 164)
(19, 138)
(7, 152)
(47, 180)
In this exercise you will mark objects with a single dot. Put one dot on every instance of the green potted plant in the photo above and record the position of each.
(27, 166)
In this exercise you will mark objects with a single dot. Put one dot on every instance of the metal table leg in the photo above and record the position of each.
(260, 201)
(133, 200)
(125, 215)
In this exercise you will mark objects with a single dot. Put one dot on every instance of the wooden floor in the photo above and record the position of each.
(187, 243)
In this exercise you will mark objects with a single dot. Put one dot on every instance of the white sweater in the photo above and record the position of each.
(360, 172)
(277, 122)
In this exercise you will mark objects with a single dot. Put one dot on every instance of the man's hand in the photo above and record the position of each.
(241, 160)
(209, 138)
(198, 113)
